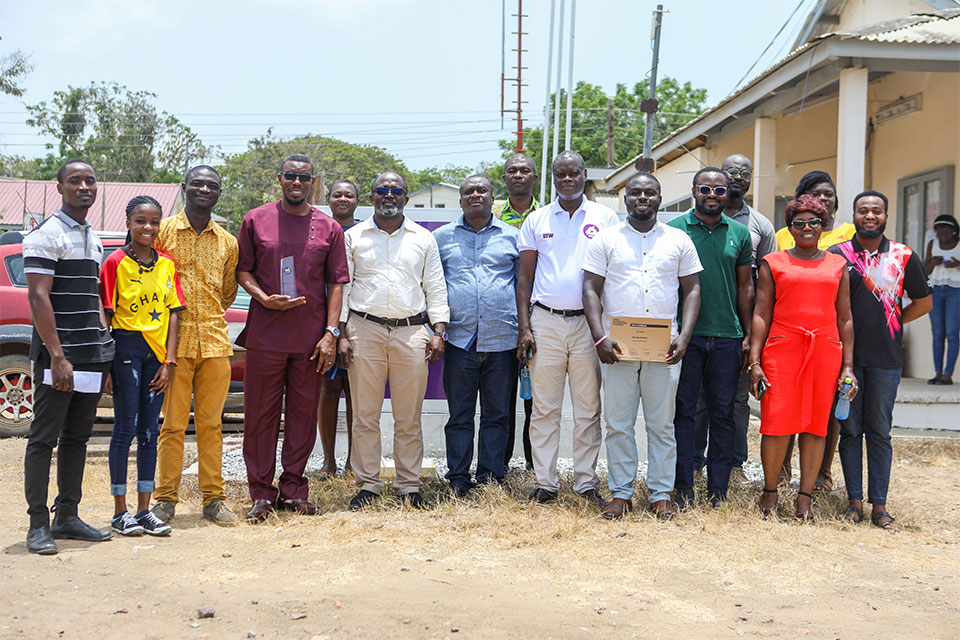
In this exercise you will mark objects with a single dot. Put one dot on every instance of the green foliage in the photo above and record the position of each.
(120, 131)
(678, 105)
(44, 168)
(13, 67)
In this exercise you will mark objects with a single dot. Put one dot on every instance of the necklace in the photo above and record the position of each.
(144, 267)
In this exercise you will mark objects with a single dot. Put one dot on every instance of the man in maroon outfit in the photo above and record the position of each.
(291, 334)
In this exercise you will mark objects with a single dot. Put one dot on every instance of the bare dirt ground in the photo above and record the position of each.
(499, 567)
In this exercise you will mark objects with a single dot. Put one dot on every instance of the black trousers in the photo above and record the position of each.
(65, 420)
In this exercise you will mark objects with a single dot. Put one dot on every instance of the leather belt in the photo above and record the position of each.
(420, 318)
(567, 313)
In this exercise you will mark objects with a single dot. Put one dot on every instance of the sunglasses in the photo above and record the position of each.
(706, 190)
(394, 191)
(304, 178)
(743, 173)
(800, 225)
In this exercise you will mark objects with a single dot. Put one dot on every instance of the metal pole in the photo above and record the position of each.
(648, 128)
(519, 76)
(556, 97)
(503, 54)
(545, 147)
(567, 129)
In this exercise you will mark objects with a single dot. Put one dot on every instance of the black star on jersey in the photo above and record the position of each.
(155, 315)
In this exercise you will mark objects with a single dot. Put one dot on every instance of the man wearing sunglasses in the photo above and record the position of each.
(720, 344)
(293, 265)
(394, 322)
(739, 171)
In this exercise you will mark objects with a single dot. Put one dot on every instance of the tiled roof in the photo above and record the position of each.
(941, 27)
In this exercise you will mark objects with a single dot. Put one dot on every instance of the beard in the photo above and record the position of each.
(643, 216)
(294, 203)
(389, 210)
(699, 208)
(870, 233)
(734, 192)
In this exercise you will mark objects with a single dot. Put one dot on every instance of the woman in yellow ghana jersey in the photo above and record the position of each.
(820, 185)
(141, 295)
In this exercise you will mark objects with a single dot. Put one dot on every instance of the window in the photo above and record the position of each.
(15, 270)
(921, 198)
(418, 206)
(440, 205)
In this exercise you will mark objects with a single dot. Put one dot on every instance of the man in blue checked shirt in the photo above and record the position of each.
(480, 262)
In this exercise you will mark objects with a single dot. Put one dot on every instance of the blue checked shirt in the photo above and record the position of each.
(481, 272)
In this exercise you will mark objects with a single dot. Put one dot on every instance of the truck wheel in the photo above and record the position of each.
(16, 396)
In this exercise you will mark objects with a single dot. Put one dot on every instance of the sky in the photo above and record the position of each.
(420, 78)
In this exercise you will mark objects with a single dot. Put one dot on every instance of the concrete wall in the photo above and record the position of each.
(860, 13)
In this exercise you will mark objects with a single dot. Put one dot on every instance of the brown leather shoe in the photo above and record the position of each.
(617, 508)
(300, 506)
(259, 511)
(661, 508)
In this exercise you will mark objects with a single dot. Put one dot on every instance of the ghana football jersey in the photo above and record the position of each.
(141, 296)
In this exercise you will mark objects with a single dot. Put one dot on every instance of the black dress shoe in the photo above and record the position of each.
(684, 497)
(460, 492)
(717, 499)
(593, 496)
(40, 541)
(414, 500)
(259, 510)
(73, 528)
(543, 496)
(299, 505)
(362, 499)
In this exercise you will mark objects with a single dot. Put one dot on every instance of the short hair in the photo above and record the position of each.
(66, 164)
(812, 179)
(373, 184)
(476, 175)
(186, 176)
(296, 157)
(948, 220)
(570, 154)
(520, 156)
(140, 201)
(806, 203)
(348, 181)
(708, 170)
(643, 174)
(870, 192)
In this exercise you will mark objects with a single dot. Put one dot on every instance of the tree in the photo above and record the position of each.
(120, 131)
(13, 67)
(678, 105)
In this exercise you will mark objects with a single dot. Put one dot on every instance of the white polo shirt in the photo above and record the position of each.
(641, 271)
(560, 241)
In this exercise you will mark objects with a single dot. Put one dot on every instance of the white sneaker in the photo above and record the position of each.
(152, 525)
(126, 525)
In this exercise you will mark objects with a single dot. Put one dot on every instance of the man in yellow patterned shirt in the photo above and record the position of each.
(206, 257)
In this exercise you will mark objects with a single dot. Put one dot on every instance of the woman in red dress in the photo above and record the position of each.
(802, 339)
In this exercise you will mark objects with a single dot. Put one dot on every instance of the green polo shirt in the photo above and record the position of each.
(721, 250)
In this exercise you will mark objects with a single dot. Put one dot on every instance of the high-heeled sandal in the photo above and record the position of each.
(766, 512)
(806, 518)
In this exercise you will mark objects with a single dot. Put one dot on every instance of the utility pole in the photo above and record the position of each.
(573, 25)
(545, 147)
(556, 99)
(650, 105)
(609, 132)
(518, 81)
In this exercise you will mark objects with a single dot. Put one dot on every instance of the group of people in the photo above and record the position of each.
(354, 307)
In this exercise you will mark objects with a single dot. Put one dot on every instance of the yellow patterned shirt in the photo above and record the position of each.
(207, 266)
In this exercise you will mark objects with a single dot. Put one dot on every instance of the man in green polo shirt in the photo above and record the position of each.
(721, 338)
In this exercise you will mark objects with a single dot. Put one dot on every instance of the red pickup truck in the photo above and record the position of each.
(16, 327)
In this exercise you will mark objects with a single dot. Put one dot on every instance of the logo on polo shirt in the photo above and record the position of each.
(590, 230)
(548, 235)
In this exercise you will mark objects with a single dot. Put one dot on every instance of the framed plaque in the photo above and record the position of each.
(641, 338)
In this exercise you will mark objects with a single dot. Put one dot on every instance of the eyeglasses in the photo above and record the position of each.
(706, 190)
(800, 225)
(304, 178)
(394, 191)
(743, 173)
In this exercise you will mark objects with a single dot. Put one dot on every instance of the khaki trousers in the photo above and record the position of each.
(207, 382)
(564, 347)
(396, 355)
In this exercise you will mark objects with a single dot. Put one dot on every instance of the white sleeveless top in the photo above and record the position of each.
(941, 275)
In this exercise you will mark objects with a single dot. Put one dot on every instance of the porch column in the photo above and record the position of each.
(765, 166)
(851, 139)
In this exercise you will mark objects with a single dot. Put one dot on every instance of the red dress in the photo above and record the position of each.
(803, 354)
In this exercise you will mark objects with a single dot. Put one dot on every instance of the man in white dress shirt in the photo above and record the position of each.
(636, 270)
(554, 336)
(394, 321)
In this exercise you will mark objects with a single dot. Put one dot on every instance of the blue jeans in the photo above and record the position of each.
(465, 374)
(741, 422)
(715, 363)
(871, 415)
(136, 411)
(945, 321)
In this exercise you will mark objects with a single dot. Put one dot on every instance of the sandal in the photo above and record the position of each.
(824, 482)
(766, 512)
(853, 515)
(807, 517)
(888, 525)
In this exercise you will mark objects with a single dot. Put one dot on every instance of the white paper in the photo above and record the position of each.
(83, 381)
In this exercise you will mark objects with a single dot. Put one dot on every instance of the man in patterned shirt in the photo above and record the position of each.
(206, 257)
(519, 175)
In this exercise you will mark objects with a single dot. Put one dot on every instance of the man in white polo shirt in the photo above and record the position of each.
(554, 336)
(636, 270)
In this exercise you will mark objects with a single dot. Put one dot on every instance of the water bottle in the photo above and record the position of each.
(526, 392)
(843, 402)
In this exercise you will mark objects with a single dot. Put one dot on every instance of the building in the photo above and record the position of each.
(870, 94)
(436, 196)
